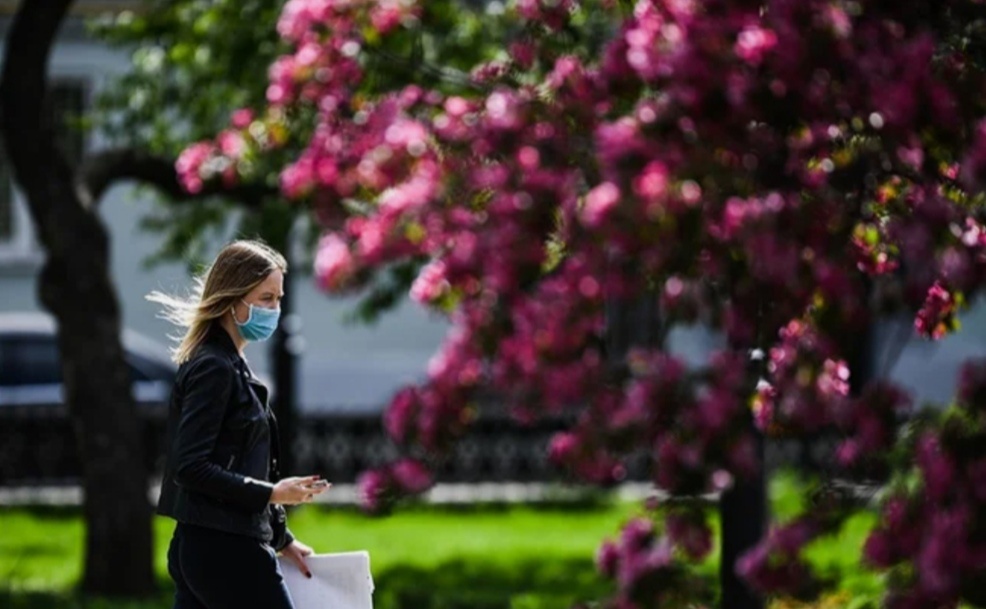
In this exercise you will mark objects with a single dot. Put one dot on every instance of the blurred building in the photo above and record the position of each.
(343, 366)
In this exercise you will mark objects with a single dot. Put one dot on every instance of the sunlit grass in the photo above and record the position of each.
(482, 557)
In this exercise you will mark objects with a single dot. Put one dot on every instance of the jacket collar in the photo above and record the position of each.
(219, 337)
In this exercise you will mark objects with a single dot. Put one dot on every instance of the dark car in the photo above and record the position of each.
(31, 370)
(37, 439)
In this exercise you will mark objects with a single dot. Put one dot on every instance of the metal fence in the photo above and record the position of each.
(38, 446)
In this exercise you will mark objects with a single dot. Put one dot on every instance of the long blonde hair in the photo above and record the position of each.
(239, 267)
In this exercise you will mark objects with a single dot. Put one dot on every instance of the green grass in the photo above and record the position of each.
(835, 558)
(483, 557)
(427, 538)
(490, 556)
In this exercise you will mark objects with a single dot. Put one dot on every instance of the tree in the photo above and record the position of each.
(784, 171)
(75, 285)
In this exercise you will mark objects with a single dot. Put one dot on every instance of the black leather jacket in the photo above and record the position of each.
(222, 446)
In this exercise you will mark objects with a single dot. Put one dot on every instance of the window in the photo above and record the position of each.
(146, 369)
(29, 360)
(65, 105)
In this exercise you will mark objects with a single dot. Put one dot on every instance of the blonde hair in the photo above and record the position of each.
(239, 268)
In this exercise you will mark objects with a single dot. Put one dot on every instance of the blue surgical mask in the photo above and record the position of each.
(260, 323)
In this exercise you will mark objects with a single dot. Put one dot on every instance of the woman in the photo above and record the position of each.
(221, 480)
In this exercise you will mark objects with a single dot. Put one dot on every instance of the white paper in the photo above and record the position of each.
(339, 581)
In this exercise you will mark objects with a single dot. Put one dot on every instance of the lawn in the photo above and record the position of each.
(484, 557)
(473, 558)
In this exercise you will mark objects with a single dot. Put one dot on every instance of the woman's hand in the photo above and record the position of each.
(296, 552)
(295, 490)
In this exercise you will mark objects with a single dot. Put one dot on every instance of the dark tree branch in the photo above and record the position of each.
(29, 43)
(442, 73)
(100, 170)
(23, 84)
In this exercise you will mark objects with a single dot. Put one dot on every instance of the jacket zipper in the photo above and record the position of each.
(230, 464)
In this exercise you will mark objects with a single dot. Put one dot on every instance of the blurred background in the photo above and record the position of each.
(502, 529)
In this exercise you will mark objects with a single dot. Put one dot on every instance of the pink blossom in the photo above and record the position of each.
(372, 239)
(241, 118)
(189, 165)
(334, 263)
(753, 43)
(375, 490)
(608, 559)
(637, 534)
(411, 476)
(774, 564)
(652, 183)
(563, 447)
(231, 143)
(297, 180)
(400, 418)
(599, 204)
(431, 282)
(406, 135)
(878, 550)
(553, 13)
(490, 72)
(937, 316)
(937, 468)
(523, 53)
(388, 14)
(691, 532)
(503, 110)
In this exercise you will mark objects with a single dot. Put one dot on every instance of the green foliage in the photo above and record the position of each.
(192, 64)
(836, 557)
(385, 292)
(51, 600)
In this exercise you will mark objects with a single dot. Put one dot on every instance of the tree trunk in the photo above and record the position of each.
(284, 356)
(76, 287)
(743, 516)
(284, 348)
(743, 511)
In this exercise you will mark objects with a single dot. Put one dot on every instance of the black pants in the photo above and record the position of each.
(216, 570)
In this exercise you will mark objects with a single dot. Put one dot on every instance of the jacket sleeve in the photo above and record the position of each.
(288, 538)
(207, 389)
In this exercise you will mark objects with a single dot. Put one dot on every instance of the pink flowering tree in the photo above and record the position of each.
(783, 171)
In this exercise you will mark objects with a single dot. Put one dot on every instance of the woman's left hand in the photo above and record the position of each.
(297, 551)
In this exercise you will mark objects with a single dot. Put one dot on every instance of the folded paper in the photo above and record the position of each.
(339, 581)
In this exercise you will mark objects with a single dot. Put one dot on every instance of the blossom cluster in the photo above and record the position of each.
(808, 383)
(776, 563)
(931, 535)
(754, 166)
(648, 565)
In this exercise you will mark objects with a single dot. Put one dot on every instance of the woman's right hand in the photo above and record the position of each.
(299, 489)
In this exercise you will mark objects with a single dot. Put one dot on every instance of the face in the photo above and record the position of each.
(267, 295)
